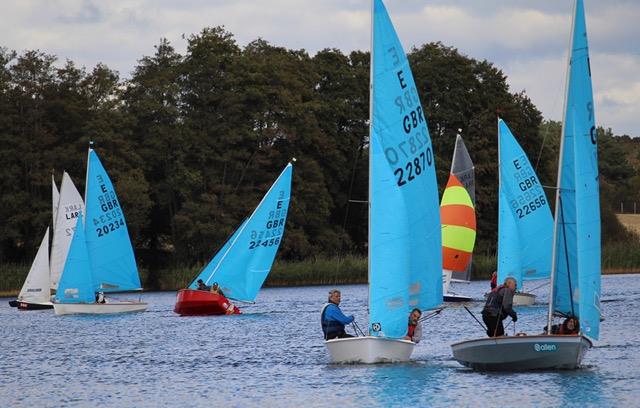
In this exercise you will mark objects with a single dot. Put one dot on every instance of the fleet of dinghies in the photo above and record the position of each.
(415, 243)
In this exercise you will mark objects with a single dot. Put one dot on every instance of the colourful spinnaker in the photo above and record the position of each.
(458, 218)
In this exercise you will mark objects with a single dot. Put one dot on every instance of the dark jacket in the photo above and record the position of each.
(500, 303)
(333, 320)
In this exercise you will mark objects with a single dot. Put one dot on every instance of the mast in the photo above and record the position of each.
(557, 211)
(370, 150)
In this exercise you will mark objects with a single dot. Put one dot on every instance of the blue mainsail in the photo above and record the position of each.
(405, 253)
(577, 259)
(525, 224)
(243, 263)
(113, 264)
(76, 284)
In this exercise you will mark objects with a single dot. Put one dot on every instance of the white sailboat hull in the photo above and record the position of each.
(519, 298)
(369, 350)
(523, 299)
(99, 308)
(521, 353)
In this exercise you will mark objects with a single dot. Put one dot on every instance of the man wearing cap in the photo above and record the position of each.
(332, 318)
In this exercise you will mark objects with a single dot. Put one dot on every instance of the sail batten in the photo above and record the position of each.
(404, 218)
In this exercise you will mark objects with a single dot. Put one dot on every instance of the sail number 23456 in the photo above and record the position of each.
(414, 167)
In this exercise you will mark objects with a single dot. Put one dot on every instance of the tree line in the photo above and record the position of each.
(192, 141)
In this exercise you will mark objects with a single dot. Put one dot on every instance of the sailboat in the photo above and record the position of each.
(405, 253)
(34, 294)
(575, 263)
(100, 258)
(241, 266)
(457, 212)
(523, 213)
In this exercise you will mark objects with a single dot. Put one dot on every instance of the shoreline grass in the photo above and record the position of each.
(618, 258)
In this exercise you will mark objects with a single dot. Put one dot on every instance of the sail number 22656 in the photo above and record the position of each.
(413, 168)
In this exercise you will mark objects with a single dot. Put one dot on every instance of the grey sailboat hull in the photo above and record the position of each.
(522, 353)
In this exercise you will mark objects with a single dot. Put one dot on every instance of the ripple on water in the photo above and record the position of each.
(273, 355)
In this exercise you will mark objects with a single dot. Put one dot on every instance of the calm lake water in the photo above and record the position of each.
(273, 355)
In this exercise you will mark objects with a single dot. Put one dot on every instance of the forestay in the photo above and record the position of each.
(577, 260)
(405, 254)
(525, 224)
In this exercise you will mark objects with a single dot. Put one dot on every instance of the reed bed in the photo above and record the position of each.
(617, 258)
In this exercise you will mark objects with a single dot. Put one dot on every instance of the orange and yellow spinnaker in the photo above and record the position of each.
(458, 219)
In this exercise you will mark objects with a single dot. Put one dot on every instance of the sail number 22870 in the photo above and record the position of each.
(413, 168)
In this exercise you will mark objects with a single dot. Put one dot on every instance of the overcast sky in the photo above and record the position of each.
(527, 39)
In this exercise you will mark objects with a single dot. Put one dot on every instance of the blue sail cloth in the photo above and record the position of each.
(525, 223)
(577, 278)
(208, 270)
(243, 263)
(405, 250)
(76, 284)
(113, 264)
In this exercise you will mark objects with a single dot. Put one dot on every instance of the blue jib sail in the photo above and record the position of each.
(243, 263)
(525, 223)
(405, 250)
(76, 285)
(113, 264)
(577, 278)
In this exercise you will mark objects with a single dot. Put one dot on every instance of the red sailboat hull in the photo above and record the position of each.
(191, 302)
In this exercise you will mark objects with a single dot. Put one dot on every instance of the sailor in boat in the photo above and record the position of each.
(414, 332)
(202, 286)
(215, 288)
(100, 298)
(499, 305)
(494, 281)
(332, 318)
(570, 326)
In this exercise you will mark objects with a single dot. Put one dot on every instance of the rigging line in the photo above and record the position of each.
(566, 254)
(475, 318)
(346, 212)
(538, 287)
(357, 329)
(431, 315)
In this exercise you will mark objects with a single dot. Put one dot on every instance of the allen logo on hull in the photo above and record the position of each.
(544, 347)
